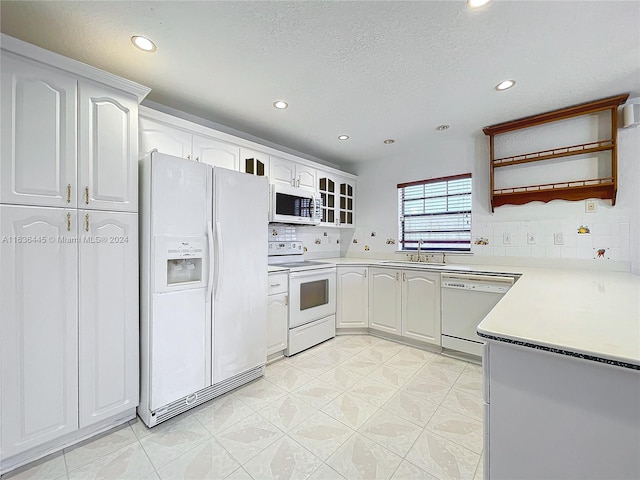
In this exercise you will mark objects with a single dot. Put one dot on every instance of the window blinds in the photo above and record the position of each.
(436, 211)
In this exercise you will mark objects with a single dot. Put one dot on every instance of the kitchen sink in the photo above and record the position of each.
(412, 263)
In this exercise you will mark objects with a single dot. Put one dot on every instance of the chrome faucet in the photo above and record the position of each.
(419, 248)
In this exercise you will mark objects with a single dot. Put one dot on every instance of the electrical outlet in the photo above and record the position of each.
(590, 206)
(506, 238)
(558, 239)
(531, 238)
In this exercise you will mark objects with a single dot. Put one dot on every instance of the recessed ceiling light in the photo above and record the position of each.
(280, 104)
(343, 137)
(143, 43)
(389, 141)
(477, 3)
(505, 85)
(442, 127)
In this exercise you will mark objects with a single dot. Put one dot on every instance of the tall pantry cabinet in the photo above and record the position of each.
(68, 252)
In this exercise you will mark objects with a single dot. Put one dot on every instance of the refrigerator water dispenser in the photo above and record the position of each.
(181, 263)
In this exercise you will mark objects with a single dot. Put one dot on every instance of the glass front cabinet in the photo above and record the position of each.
(338, 200)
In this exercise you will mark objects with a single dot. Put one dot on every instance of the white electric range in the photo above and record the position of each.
(312, 296)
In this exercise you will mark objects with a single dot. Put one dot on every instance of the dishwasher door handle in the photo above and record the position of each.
(478, 278)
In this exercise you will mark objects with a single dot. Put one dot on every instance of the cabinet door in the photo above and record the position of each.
(164, 138)
(384, 300)
(277, 323)
(108, 167)
(38, 331)
(216, 153)
(108, 314)
(346, 207)
(306, 177)
(421, 306)
(282, 171)
(38, 165)
(353, 297)
(328, 190)
(255, 163)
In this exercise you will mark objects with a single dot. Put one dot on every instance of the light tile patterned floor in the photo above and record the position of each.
(355, 407)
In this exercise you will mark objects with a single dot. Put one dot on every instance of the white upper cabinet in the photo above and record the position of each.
(38, 330)
(253, 162)
(346, 203)
(108, 315)
(338, 197)
(108, 170)
(164, 138)
(38, 135)
(47, 117)
(291, 173)
(215, 152)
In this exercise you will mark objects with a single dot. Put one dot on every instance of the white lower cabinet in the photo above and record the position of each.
(405, 303)
(69, 329)
(352, 297)
(39, 327)
(421, 306)
(385, 300)
(108, 315)
(277, 312)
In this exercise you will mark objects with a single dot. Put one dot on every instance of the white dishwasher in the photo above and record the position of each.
(466, 300)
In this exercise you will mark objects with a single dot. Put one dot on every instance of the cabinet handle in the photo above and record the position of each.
(397, 276)
(188, 157)
(298, 183)
(286, 300)
(293, 182)
(275, 284)
(68, 193)
(68, 222)
(197, 159)
(86, 222)
(86, 195)
(404, 277)
(365, 273)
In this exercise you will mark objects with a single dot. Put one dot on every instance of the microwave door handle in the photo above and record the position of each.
(210, 243)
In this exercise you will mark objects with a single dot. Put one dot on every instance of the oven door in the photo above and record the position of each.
(312, 295)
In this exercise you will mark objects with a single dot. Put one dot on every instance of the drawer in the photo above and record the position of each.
(278, 283)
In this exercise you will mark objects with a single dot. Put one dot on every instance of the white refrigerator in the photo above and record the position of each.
(203, 280)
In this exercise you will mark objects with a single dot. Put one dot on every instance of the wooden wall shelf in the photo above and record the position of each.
(604, 188)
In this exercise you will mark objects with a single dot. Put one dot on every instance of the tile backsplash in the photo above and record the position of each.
(318, 241)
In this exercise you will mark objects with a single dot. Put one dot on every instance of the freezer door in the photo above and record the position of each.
(180, 196)
(179, 347)
(240, 284)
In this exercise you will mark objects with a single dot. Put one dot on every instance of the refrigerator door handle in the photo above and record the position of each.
(219, 257)
(210, 242)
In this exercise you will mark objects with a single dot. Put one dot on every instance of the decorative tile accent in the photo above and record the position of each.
(481, 241)
(317, 241)
(458, 428)
(410, 407)
(287, 412)
(366, 248)
(208, 460)
(284, 459)
(321, 434)
(248, 437)
(99, 446)
(584, 230)
(355, 240)
(127, 462)
(172, 438)
(373, 234)
(395, 433)
(350, 410)
(442, 458)
(360, 458)
(390, 241)
(602, 253)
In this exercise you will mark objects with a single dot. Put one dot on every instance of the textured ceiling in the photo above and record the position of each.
(372, 70)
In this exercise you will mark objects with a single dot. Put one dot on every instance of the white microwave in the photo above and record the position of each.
(294, 205)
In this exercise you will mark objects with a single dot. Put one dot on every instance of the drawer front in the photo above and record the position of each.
(278, 283)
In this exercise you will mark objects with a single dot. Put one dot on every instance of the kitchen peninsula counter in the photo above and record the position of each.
(591, 314)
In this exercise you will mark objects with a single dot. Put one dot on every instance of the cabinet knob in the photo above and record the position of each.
(188, 157)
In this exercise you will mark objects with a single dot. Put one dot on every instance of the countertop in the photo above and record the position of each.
(591, 314)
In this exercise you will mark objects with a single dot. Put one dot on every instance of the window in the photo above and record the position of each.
(437, 212)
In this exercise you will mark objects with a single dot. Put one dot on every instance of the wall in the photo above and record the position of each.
(320, 242)
(615, 229)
